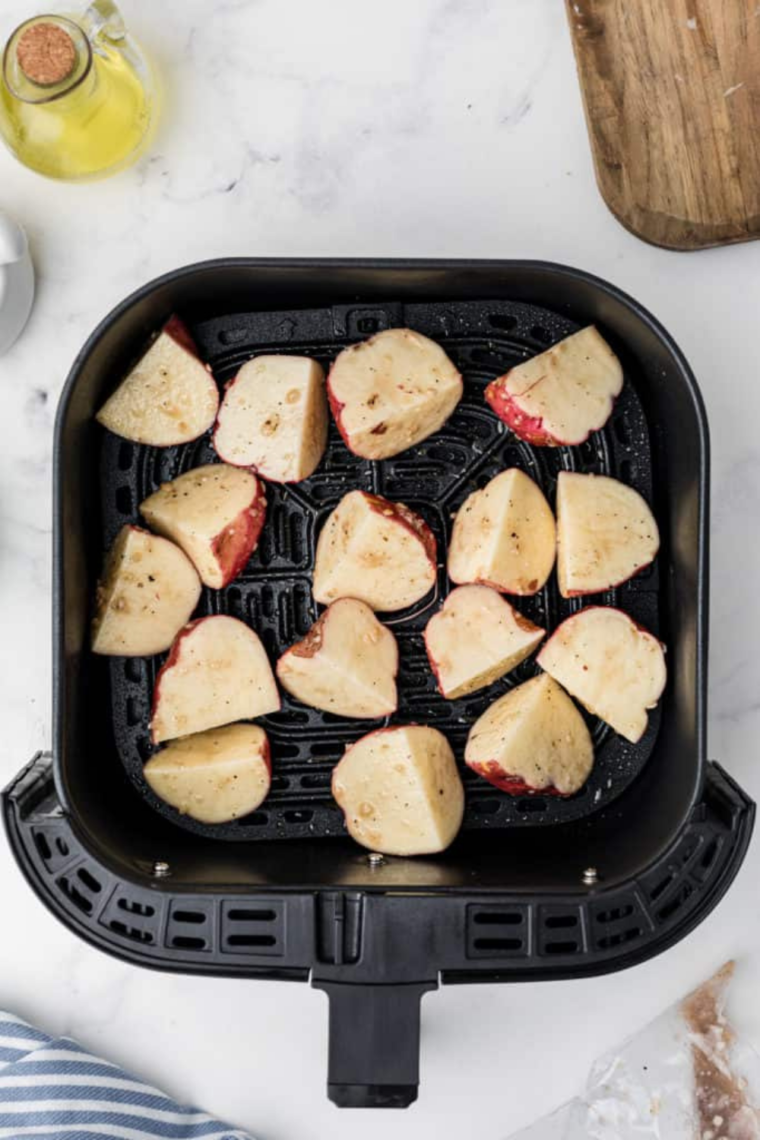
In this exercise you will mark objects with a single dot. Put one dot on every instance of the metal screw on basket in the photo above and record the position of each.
(590, 876)
(160, 870)
(375, 859)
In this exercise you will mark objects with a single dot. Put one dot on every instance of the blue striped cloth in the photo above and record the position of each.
(53, 1088)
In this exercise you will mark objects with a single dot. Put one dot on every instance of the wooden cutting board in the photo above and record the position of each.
(672, 96)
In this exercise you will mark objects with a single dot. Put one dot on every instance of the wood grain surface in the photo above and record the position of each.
(672, 96)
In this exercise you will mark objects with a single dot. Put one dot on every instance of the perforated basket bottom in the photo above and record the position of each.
(273, 594)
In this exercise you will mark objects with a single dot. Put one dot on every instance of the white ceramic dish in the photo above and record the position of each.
(16, 281)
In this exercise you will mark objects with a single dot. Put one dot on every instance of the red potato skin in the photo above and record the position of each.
(612, 586)
(336, 407)
(233, 463)
(222, 456)
(433, 665)
(409, 519)
(609, 609)
(525, 624)
(311, 643)
(172, 660)
(179, 332)
(267, 756)
(530, 593)
(235, 545)
(512, 785)
(528, 428)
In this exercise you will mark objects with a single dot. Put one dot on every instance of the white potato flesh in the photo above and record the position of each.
(392, 391)
(504, 536)
(400, 791)
(606, 533)
(377, 551)
(274, 418)
(532, 739)
(610, 664)
(476, 638)
(346, 664)
(562, 395)
(215, 513)
(214, 776)
(217, 672)
(168, 398)
(147, 593)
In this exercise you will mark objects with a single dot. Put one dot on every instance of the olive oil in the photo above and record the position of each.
(74, 105)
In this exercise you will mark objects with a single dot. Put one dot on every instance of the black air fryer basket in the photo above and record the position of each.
(535, 886)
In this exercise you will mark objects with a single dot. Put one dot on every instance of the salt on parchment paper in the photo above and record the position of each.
(686, 1076)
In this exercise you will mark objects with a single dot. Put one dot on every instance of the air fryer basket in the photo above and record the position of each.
(534, 887)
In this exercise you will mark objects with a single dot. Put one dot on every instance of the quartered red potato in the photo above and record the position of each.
(215, 513)
(400, 791)
(274, 418)
(217, 672)
(561, 396)
(533, 739)
(606, 533)
(613, 666)
(168, 398)
(146, 594)
(380, 552)
(475, 638)
(392, 391)
(213, 776)
(504, 536)
(346, 664)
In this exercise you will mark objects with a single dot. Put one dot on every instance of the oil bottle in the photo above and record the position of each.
(77, 94)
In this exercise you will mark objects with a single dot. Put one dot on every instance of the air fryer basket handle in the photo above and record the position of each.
(374, 1053)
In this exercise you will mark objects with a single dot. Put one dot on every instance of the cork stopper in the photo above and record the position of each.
(46, 54)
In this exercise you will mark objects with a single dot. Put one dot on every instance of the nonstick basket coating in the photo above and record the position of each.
(273, 594)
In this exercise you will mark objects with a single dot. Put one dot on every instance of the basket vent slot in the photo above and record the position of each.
(566, 947)
(531, 804)
(132, 917)
(89, 880)
(609, 941)
(134, 933)
(43, 847)
(52, 849)
(560, 930)
(190, 925)
(126, 456)
(253, 928)
(124, 500)
(131, 906)
(502, 321)
(497, 932)
(709, 855)
(561, 921)
(298, 815)
(614, 914)
(668, 909)
(76, 892)
(489, 805)
(490, 358)
(187, 942)
(662, 885)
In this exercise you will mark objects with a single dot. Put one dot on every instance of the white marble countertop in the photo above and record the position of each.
(436, 128)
